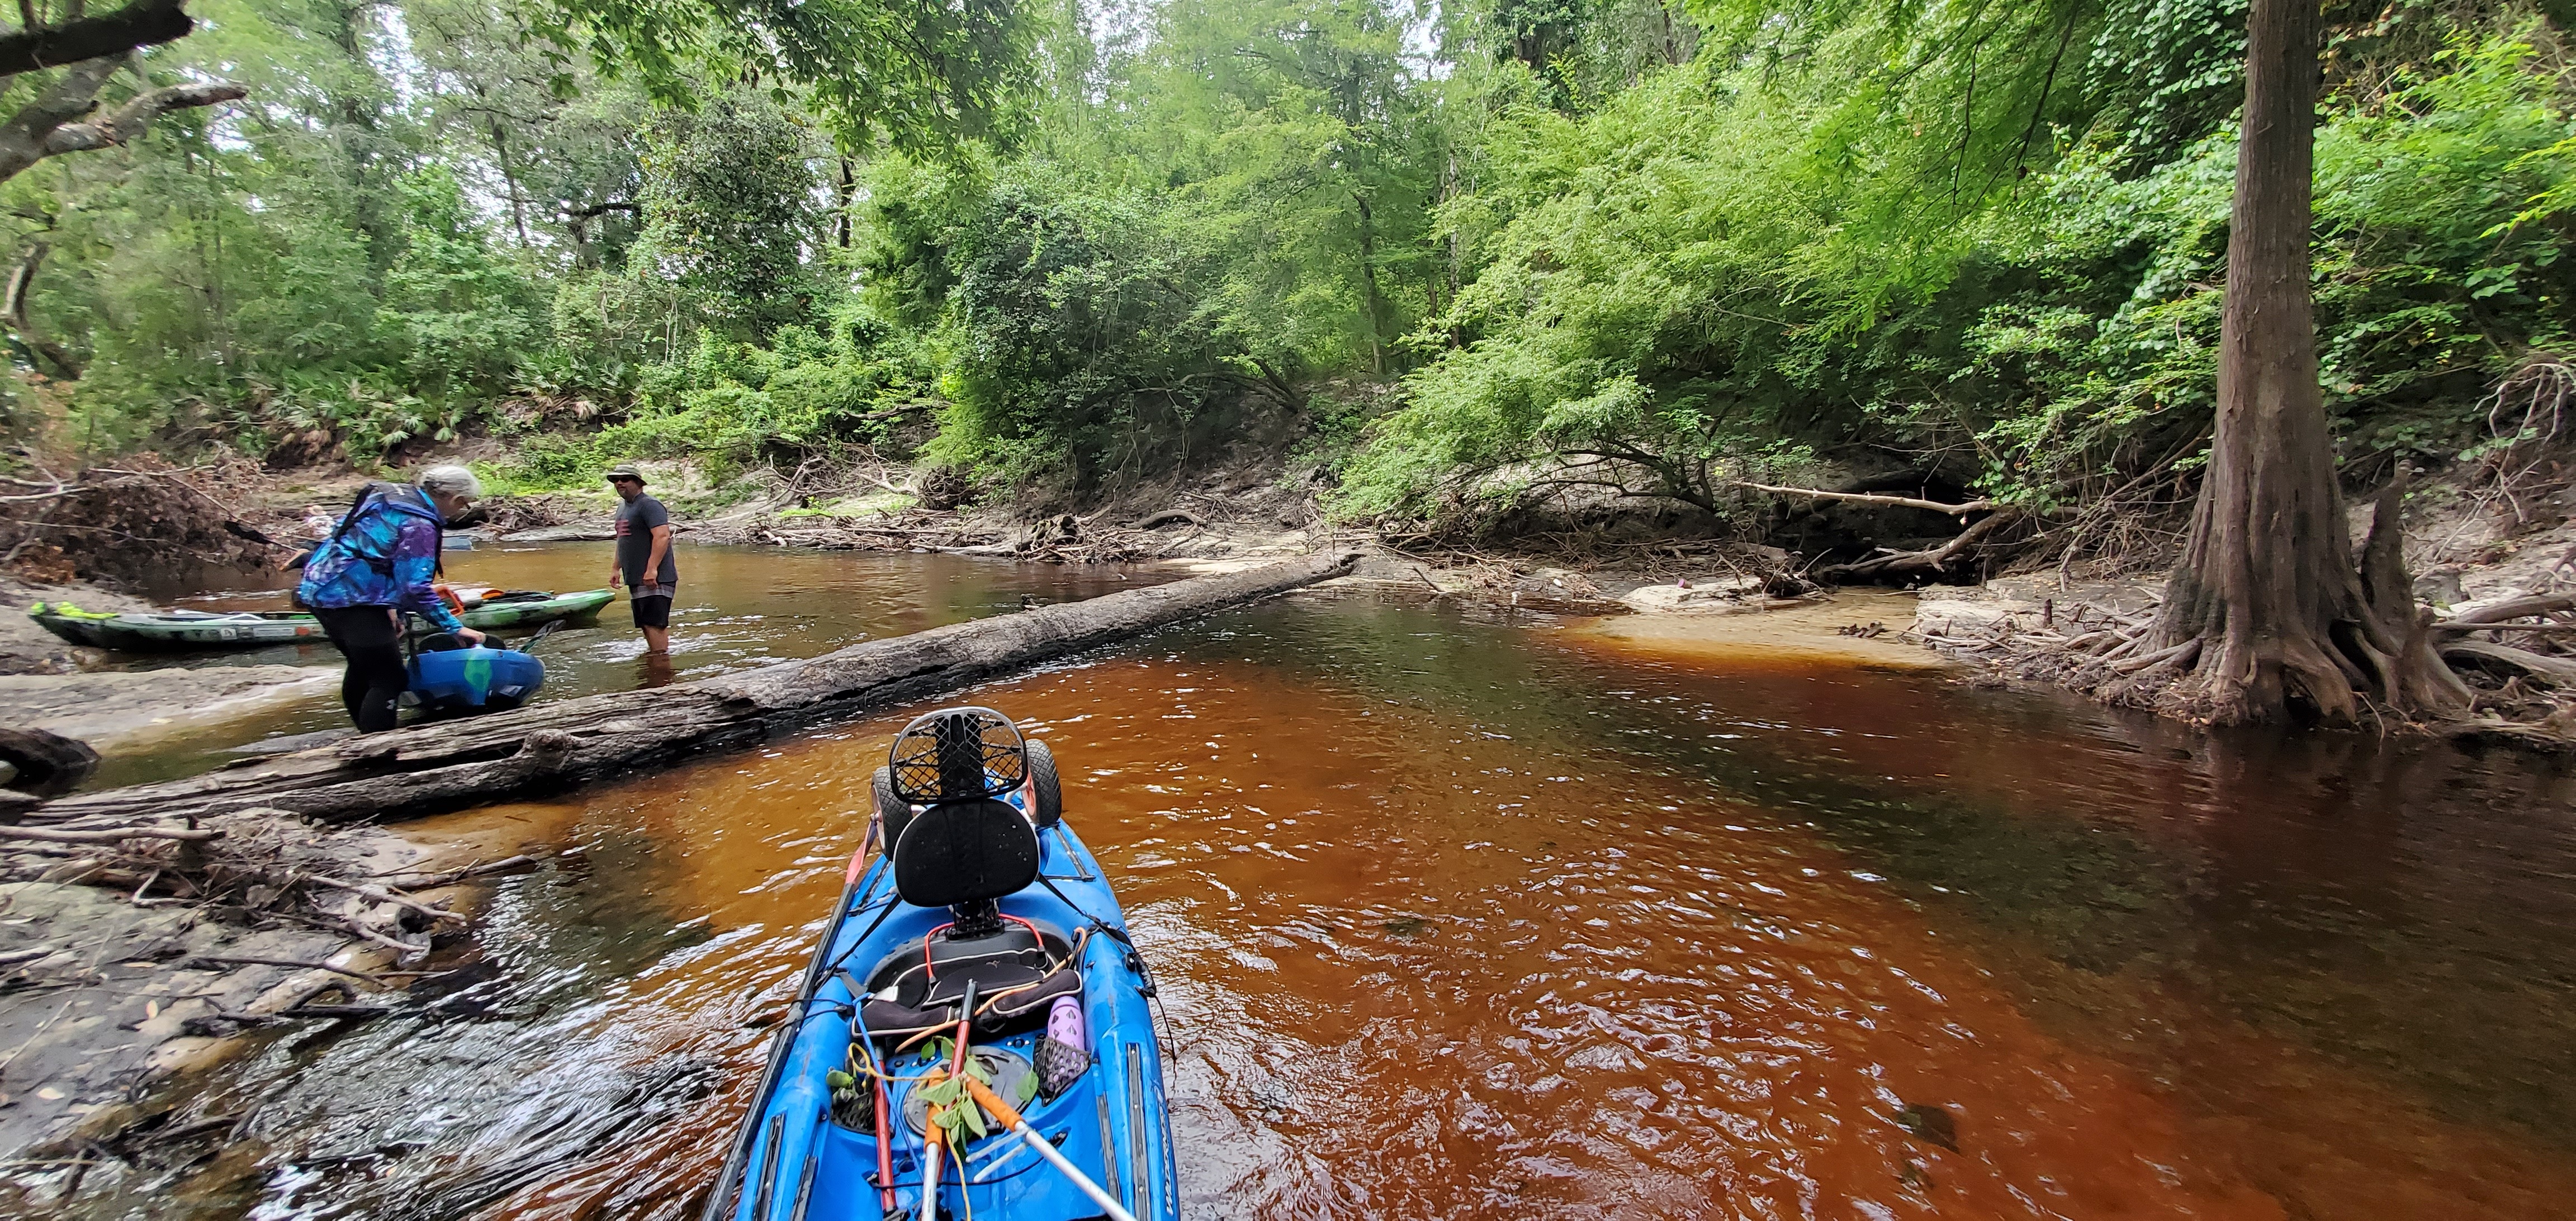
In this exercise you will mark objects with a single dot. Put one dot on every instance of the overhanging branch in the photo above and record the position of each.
(50, 124)
(130, 119)
(146, 24)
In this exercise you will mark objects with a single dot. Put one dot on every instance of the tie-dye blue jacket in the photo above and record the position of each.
(385, 555)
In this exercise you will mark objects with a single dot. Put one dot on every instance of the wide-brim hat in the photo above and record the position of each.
(624, 470)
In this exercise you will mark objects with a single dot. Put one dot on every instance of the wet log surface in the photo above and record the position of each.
(554, 746)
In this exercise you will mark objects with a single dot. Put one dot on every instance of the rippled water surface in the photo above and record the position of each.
(738, 607)
(1467, 919)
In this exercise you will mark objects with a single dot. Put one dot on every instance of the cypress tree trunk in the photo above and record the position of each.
(2267, 582)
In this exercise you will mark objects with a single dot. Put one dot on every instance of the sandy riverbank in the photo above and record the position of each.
(123, 710)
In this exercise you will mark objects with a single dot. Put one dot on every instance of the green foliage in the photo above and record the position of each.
(731, 404)
(414, 220)
(1472, 251)
(1731, 259)
(1076, 328)
(729, 211)
(928, 77)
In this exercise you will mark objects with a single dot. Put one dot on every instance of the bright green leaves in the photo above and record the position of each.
(928, 77)
(1826, 238)
(959, 1117)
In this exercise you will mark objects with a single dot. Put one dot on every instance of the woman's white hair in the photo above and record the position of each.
(453, 481)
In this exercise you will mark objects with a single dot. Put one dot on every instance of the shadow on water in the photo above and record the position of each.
(1464, 918)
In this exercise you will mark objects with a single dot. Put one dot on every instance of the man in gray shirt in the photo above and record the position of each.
(644, 560)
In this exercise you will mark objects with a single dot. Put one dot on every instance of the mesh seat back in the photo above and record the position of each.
(964, 852)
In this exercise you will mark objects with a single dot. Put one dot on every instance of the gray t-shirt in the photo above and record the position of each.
(635, 522)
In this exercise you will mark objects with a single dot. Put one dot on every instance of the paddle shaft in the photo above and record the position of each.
(930, 1129)
(1046, 1149)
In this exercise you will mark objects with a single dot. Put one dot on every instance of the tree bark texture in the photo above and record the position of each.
(145, 24)
(58, 121)
(13, 310)
(549, 747)
(2267, 580)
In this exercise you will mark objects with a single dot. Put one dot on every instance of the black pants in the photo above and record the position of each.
(366, 636)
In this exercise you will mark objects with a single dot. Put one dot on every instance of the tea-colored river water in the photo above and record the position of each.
(1459, 917)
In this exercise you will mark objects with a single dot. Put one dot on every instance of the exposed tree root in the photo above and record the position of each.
(2509, 695)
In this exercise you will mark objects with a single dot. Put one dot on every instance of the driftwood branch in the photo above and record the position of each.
(554, 746)
(1907, 564)
(116, 835)
(1872, 498)
(2557, 671)
(381, 895)
(2515, 608)
(298, 963)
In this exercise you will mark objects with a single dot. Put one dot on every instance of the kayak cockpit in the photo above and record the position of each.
(977, 978)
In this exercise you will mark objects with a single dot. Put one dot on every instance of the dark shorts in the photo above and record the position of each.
(654, 611)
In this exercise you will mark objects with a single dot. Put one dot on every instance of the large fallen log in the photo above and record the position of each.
(554, 746)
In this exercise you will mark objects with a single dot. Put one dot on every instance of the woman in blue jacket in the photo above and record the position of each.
(378, 563)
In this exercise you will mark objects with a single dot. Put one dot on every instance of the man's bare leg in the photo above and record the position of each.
(657, 640)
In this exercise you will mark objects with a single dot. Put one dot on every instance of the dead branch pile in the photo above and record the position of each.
(511, 514)
(141, 518)
(254, 868)
(1495, 569)
(1061, 539)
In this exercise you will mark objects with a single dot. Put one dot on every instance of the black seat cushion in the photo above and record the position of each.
(1020, 968)
(964, 851)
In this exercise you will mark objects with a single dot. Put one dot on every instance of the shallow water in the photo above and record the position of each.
(1459, 918)
(738, 607)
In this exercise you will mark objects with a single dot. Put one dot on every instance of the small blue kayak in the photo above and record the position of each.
(882, 1097)
(448, 678)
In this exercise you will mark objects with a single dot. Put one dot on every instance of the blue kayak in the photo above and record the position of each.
(985, 898)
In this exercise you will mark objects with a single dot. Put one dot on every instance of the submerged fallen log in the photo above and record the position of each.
(554, 746)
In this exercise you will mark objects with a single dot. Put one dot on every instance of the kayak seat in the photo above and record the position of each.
(963, 855)
(963, 852)
(1021, 966)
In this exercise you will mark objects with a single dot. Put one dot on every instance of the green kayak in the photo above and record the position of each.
(206, 631)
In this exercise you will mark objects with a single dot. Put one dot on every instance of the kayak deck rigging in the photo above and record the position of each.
(983, 957)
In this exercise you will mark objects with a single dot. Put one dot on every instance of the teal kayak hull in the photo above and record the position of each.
(229, 631)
